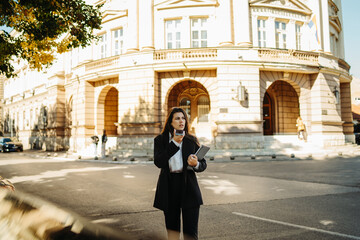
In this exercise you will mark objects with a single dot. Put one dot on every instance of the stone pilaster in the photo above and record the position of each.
(225, 23)
(241, 23)
(132, 34)
(146, 26)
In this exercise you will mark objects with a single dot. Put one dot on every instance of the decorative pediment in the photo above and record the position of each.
(113, 14)
(169, 4)
(289, 5)
(335, 22)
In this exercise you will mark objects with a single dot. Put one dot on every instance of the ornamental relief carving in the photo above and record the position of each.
(162, 5)
(267, 12)
(293, 6)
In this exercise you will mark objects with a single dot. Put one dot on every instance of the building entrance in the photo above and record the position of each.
(280, 109)
(194, 99)
(268, 115)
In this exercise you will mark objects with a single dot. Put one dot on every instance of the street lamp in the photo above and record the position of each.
(337, 95)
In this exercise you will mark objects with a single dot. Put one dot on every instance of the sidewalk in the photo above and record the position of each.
(229, 155)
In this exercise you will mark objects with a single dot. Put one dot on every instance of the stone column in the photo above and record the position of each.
(132, 31)
(255, 36)
(270, 33)
(290, 35)
(346, 113)
(326, 125)
(241, 23)
(185, 33)
(146, 26)
(225, 23)
(84, 117)
(325, 31)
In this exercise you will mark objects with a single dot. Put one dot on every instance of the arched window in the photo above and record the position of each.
(203, 105)
(185, 104)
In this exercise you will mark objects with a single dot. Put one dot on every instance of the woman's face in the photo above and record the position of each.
(178, 121)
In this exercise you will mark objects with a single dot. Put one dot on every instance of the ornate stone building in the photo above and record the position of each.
(244, 70)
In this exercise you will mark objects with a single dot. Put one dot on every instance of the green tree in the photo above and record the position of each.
(42, 29)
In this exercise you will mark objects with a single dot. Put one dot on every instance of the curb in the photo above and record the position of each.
(259, 157)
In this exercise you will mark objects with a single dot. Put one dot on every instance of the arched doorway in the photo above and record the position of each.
(280, 109)
(194, 98)
(111, 111)
(268, 115)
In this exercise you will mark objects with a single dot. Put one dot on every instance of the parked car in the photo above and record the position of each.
(357, 138)
(8, 145)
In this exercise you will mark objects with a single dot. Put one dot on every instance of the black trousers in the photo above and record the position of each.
(190, 216)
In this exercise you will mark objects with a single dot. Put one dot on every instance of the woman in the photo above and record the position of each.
(177, 189)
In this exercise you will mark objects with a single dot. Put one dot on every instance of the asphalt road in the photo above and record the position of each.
(302, 199)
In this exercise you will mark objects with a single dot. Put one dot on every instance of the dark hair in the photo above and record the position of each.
(168, 127)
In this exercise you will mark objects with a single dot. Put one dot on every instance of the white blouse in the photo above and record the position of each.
(176, 161)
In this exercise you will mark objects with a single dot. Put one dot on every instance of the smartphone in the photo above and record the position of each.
(179, 132)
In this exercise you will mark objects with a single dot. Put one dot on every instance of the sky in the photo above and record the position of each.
(351, 11)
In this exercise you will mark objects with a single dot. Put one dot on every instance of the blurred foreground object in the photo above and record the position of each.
(27, 218)
(4, 183)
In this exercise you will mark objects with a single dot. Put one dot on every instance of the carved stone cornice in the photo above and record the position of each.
(172, 4)
(287, 5)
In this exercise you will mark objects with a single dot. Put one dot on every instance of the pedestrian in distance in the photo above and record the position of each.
(95, 140)
(103, 144)
(301, 129)
(177, 191)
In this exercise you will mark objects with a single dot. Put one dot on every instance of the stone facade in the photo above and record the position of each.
(243, 70)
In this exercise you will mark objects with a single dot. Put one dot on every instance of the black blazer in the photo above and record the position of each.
(163, 151)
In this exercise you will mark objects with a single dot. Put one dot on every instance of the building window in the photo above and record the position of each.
(118, 41)
(203, 104)
(198, 32)
(261, 23)
(280, 34)
(23, 121)
(173, 33)
(103, 46)
(185, 104)
(333, 44)
(298, 36)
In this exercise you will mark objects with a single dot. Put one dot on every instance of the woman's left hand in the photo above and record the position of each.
(192, 160)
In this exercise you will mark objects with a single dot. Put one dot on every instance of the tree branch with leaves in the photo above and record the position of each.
(44, 28)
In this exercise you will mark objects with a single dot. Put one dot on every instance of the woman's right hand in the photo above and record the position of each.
(177, 138)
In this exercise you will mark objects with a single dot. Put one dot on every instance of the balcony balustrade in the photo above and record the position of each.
(203, 54)
(289, 56)
(102, 63)
(175, 54)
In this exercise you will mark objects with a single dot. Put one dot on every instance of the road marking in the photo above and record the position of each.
(297, 226)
